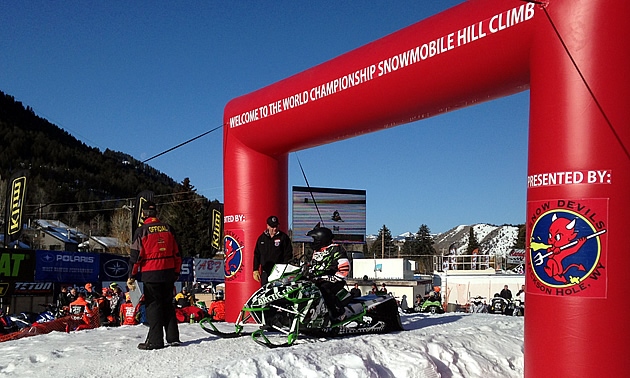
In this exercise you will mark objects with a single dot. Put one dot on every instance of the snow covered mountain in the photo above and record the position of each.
(494, 240)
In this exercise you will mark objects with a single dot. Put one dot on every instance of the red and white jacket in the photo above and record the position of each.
(155, 253)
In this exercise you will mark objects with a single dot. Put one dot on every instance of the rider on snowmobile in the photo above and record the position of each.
(329, 268)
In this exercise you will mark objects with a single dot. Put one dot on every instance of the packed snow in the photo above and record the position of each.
(447, 345)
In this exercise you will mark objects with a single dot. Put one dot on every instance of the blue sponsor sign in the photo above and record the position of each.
(114, 267)
(62, 266)
(186, 274)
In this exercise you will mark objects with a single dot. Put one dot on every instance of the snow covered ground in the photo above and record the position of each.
(448, 345)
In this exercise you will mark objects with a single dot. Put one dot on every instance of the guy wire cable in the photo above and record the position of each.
(181, 144)
(309, 189)
(543, 5)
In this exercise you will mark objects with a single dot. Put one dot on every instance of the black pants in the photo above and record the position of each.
(158, 301)
(329, 293)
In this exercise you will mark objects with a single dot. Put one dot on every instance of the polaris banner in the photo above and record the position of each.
(209, 270)
(62, 266)
(186, 274)
(16, 195)
(113, 267)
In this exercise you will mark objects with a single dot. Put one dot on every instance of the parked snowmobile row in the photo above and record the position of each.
(292, 305)
(498, 305)
(17, 322)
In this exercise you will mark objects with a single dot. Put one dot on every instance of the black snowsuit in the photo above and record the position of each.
(270, 251)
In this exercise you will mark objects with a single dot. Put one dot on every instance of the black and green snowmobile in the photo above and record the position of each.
(290, 305)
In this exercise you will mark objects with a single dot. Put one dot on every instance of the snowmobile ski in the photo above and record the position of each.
(256, 335)
(225, 335)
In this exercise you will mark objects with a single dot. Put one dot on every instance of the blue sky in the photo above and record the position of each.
(143, 76)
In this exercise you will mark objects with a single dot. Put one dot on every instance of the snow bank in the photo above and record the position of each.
(448, 345)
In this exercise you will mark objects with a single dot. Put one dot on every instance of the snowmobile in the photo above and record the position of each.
(430, 305)
(518, 307)
(11, 323)
(498, 305)
(477, 305)
(50, 313)
(291, 304)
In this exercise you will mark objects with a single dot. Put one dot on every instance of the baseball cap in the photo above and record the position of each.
(273, 221)
(149, 205)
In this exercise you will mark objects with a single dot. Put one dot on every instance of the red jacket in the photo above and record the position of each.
(217, 310)
(155, 253)
(128, 314)
(81, 308)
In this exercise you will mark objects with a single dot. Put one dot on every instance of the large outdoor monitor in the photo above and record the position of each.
(341, 210)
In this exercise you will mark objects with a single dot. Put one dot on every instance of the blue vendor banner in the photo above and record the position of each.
(186, 274)
(62, 266)
(113, 267)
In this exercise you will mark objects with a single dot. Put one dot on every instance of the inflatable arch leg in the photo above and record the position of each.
(578, 170)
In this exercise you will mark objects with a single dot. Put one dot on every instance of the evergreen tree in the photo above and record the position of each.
(384, 240)
(472, 245)
(472, 241)
(520, 241)
(189, 214)
(420, 245)
(425, 241)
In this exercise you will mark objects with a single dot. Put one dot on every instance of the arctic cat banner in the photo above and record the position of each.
(16, 195)
(15, 265)
(141, 198)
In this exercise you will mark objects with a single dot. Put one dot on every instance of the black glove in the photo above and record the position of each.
(306, 272)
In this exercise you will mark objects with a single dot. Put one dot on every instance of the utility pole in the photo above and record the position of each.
(383, 244)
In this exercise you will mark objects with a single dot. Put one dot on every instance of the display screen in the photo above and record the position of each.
(341, 210)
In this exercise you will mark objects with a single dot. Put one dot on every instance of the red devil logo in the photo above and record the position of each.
(562, 233)
(232, 257)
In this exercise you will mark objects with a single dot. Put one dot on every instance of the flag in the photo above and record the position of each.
(16, 196)
(141, 198)
(453, 252)
(473, 263)
(216, 229)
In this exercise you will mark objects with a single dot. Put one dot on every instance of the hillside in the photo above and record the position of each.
(82, 186)
(497, 240)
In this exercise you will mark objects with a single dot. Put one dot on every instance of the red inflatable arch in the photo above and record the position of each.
(578, 171)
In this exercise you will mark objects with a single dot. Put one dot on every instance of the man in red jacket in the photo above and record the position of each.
(128, 313)
(155, 254)
(80, 310)
(217, 308)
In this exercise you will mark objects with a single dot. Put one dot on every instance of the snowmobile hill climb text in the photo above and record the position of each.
(291, 304)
